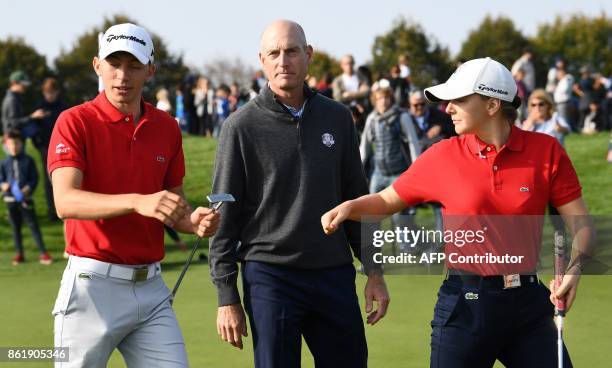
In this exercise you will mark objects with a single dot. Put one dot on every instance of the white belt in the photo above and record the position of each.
(125, 272)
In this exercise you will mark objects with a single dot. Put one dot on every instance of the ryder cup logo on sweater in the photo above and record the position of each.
(328, 139)
(61, 149)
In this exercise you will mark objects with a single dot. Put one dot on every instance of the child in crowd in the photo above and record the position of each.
(222, 107)
(18, 180)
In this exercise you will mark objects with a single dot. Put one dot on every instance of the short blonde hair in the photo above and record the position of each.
(162, 94)
(384, 91)
(541, 94)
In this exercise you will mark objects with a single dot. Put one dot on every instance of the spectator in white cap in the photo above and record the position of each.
(117, 168)
(486, 310)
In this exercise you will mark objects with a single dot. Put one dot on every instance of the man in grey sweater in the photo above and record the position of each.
(12, 111)
(288, 156)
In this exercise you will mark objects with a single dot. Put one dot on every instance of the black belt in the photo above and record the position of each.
(490, 282)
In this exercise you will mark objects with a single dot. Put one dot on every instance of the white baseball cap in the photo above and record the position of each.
(129, 38)
(483, 76)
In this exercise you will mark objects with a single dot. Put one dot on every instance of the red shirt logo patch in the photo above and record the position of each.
(61, 149)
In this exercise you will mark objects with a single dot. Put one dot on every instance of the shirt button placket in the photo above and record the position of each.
(497, 182)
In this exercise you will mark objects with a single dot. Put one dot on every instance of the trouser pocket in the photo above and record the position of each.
(65, 292)
(448, 297)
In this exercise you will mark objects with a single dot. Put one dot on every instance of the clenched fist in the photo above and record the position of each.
(165, 206)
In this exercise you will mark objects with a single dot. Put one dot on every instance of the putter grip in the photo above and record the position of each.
(559, 269)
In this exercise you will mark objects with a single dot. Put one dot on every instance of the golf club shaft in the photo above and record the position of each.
(185, 267)
(215, 207)
(560, 341)
(559, 268)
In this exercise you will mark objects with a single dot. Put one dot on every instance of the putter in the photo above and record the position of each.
(560, 305)
(216, 201)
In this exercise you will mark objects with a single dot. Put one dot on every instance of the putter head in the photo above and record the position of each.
(216, 200)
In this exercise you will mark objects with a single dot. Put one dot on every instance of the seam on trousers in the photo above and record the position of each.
(61, 339)
(438, 350)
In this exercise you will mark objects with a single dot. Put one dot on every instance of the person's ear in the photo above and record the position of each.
(309, 52)
(150, 70)
(493, 106)
(96, 66)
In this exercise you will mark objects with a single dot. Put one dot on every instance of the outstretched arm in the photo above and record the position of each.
(381, 204)
(73, 202)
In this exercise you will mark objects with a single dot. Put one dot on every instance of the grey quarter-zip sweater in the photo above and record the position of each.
(285, 173)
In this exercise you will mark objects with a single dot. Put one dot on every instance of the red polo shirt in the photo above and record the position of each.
(117, 157)
(479, 187)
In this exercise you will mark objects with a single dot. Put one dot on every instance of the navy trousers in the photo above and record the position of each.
(284, 304)
(17, 214)
(474, 326)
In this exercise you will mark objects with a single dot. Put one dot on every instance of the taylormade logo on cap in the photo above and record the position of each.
(483, 76)
(482, 87)
(129, 38)
(110, 38)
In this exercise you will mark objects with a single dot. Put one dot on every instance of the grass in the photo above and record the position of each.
(400, 340)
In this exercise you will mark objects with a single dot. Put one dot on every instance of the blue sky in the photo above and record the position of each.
(204, 30)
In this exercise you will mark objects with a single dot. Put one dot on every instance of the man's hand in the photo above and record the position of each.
(376, 290)
(26, 190)
(434, 131)
(39, 114)
(165, 206)
(231, 324)
(205, 221)
(567, 290)
(331, 220)
(5, 187)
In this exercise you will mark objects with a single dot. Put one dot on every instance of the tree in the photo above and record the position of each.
(16, 54)
(75, 69)
(580, 40)
(226, 71)
(429, 61)
(323, 63)
(497, 38)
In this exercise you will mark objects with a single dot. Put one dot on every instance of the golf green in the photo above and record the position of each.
(400, 340)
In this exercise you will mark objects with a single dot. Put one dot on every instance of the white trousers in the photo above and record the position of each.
(98, 310)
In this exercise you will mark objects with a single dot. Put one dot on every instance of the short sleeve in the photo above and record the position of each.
(418, 183)
(67, 144)
(564, 185)
(176, 168)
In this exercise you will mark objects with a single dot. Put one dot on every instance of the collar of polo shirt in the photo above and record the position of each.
(113, 114)
(515, 142)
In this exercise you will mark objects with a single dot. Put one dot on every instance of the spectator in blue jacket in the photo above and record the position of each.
(18, 180)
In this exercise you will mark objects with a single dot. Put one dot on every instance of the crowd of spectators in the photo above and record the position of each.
(387, 108)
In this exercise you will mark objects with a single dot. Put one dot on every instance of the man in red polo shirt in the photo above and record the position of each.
(117, 168)
(498, 174)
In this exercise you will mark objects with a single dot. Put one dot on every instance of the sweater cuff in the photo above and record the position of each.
(227, 294)
(371, 267)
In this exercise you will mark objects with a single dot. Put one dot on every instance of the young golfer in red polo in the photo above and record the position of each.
(492, 169)
(117, 168)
